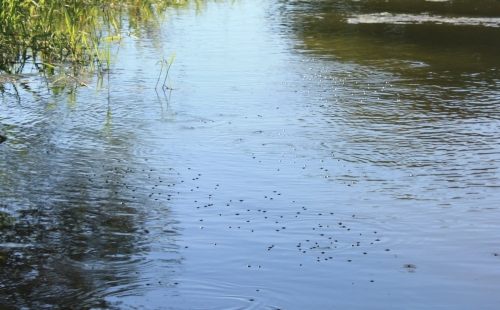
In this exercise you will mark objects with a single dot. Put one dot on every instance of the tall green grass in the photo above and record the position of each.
(164, 63)
(70, 33)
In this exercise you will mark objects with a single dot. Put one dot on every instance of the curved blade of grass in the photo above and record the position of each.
(168, 68)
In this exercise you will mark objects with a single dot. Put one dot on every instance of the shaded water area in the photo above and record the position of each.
(312, 154)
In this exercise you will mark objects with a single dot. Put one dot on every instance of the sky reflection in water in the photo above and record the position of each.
(301, 162)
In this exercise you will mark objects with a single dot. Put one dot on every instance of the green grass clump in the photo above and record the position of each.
(72, 33)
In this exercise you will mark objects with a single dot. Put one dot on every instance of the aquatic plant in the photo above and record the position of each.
(67, 33)
(164, 63)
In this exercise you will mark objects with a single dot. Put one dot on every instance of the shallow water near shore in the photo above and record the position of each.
(300, 162)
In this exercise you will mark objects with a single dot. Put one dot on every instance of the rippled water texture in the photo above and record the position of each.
(301, 162)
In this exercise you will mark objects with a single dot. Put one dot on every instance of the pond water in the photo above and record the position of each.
(307, 157)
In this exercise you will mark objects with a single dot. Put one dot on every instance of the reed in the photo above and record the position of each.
(164, 63)
(74, 34)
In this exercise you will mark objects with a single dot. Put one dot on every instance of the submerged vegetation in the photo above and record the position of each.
(72, 35)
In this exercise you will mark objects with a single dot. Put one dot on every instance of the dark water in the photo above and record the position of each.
(311, 155)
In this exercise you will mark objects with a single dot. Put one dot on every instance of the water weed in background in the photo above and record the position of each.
(70, 37)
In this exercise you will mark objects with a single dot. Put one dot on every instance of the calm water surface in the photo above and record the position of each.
(310, 156)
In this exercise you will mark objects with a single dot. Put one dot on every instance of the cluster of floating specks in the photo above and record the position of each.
(265, 199)
(103, 220)
(269, 198)
(253, 225)
(272, 198)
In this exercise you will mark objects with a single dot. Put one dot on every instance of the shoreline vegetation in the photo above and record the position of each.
(66, 44)
(70, 38)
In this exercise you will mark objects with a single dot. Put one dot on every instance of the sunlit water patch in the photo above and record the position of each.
(404, 19)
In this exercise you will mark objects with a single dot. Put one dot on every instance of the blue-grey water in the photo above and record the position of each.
(307, 157)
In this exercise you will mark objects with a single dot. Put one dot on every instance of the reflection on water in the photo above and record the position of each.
(386, 18)
(419, 95)
(300, 162)
(79, 212)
